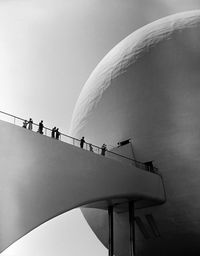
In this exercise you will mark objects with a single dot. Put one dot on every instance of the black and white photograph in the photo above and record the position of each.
(99, 127)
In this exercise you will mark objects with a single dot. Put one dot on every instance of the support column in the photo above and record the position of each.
(111, 236)
(132, 228)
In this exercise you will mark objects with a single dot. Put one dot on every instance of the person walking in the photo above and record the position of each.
(41, 126)
(53, 131)
(57, 134)
(103, 150)
(25, 124)
(82, 141)
(30, 124)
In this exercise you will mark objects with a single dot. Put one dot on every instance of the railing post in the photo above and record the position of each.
(111, 240)
(14, 120)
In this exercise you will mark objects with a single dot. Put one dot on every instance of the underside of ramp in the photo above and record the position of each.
(41, 178)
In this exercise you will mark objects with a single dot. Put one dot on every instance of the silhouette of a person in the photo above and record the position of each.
(53, 131)
(91, 148)
(82, 141)
(30, 124)
(57, 134)
(25, 124)
(103, 150)
(41, 126)
(149, 166)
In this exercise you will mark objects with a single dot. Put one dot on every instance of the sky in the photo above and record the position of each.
(48, 49)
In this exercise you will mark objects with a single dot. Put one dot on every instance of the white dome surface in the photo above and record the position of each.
(129, 56)
(148, 88)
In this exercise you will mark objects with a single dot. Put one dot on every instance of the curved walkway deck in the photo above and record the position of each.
(41, 178)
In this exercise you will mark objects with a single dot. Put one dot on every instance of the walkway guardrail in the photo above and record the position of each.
(76, 142)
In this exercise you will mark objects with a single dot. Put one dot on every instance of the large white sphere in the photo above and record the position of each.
(148, 88)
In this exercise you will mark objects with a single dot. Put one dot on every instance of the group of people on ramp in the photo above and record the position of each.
(56, 134)
(29, 125)
(103, 147)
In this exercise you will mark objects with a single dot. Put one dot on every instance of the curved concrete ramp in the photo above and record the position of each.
(41, 178)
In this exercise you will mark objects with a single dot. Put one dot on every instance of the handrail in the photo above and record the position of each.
(95, 149)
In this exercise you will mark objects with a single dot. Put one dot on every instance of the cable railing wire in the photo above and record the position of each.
(88, 146)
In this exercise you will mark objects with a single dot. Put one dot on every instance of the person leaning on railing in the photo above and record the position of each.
(53, 131)
(57, 134)
(103, 150)
(25, 124)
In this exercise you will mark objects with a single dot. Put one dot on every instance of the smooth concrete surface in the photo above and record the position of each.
(41, 178)
(148, 88)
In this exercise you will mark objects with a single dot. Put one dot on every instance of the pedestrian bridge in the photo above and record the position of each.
(41, 178)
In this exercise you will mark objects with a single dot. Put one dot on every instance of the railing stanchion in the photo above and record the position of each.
(14, 120)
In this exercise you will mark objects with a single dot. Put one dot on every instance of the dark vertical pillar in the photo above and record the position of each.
(111, 237)
(132, 149)
(132, 228)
